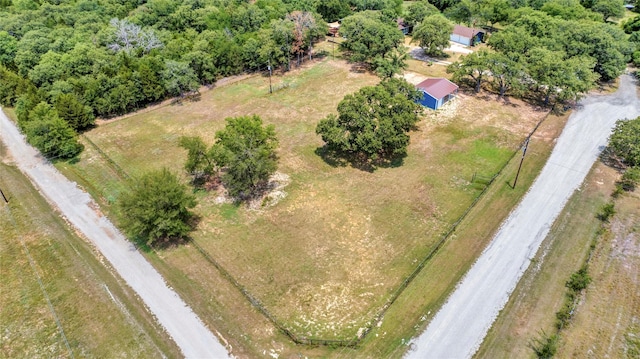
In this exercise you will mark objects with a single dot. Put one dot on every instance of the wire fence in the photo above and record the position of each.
(354, 341)
(109, 160)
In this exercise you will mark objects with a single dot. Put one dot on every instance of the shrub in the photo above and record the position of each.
(546, 346)
(606, 212)
(630, 179)
(579, 280)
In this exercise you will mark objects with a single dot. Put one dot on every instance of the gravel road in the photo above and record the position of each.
(182, 324)
(458, 329)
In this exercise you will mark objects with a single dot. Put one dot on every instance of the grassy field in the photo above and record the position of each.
(330, 254)
(606, 320)
(53, 283)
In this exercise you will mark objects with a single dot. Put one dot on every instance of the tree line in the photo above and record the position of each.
(87, 58)
(553, 54)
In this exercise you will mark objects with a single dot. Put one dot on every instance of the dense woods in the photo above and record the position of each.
(82, 59)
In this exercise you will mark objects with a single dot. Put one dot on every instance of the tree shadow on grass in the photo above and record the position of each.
(610, 159)
(339, 159)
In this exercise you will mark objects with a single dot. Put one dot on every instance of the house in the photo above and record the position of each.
(436, 92)
(402, 26)
(466, 35)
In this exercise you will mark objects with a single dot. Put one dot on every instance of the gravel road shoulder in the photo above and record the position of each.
(459, 327)
(180, 322)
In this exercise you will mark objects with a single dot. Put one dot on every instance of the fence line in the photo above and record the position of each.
(113, 163)
(354, 342)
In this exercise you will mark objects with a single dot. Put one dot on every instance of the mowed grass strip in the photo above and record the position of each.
(328, 256)
(418, 304)
(607, 320)
(609, 311)
(100, 317)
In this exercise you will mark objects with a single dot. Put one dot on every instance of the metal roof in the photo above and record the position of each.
(438, 87)
(466, 31)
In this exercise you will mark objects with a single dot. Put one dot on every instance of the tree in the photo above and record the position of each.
(418, 11)
(11, 86)
(625, 141)
(128, 37)
(333, 10)
(77, 115)
(433, 34)
(200, 164)
(609, 8)
(8, 48)
(373, 123)
(157, 207)
(560, 80)
(148, 78)
(474, 66)
(515, 41)
(30, 48)
(246, 151)
(49, 133)
(179, 78)
(630, 179)
(493, 11)
(368, 37)
(305, 29)
(632, 25)
(394, 64)
(607, 44)
(505, 73)
(569, 10)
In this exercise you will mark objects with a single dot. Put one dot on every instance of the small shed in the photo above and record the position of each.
(466, 35)
(436, 92)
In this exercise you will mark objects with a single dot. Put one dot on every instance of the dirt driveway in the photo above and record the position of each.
(459, 327)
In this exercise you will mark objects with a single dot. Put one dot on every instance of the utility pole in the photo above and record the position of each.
(524, 152)
(269, 67)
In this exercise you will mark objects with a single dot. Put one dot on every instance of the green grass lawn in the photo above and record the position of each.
(98, 314)
(326, 258)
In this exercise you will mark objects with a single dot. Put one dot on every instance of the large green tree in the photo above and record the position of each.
(433, 34)
(560, 80)
(8, 48)
(333, 10)
(368, 37)
(157, 207)
(246, 152)
(418, 11)
(625, 141)
(474, 66)
(179, 78)
(506, 74)
(77, 115)
(373, 123)
(50, 134)
(609, 8)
